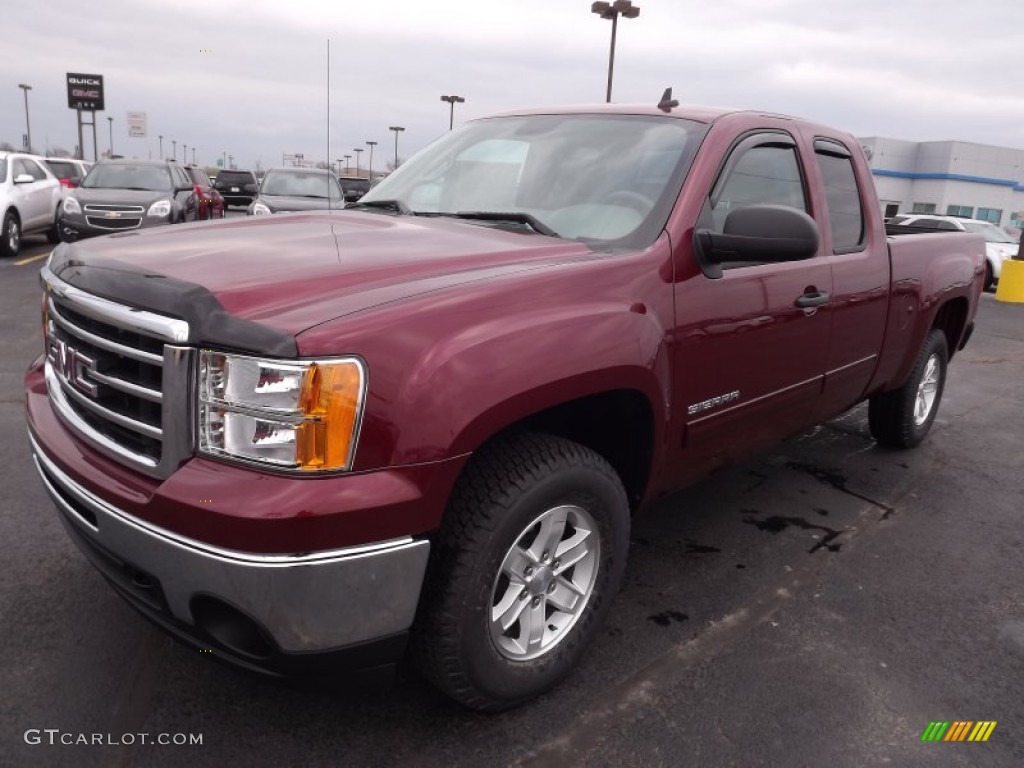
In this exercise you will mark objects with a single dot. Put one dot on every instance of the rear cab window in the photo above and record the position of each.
(842, 196)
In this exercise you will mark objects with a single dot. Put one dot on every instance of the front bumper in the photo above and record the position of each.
(75, 227)
(261, 611)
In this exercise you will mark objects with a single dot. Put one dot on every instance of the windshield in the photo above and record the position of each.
(990, 232)
(597, 178)
(300, 184)
(151, 178)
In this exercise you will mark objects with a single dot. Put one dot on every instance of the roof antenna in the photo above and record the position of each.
(667, 102)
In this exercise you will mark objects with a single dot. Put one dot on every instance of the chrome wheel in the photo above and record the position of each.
(927, 391)
(544, 583)
(13, 235)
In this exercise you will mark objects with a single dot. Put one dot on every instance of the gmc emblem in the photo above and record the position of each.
(72, 365)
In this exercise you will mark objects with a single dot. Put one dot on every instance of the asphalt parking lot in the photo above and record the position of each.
(819, 606)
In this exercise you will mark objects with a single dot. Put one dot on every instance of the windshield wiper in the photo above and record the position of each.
(517, 217)
(394, 205)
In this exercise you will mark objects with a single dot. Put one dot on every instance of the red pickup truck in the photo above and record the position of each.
(301, 441)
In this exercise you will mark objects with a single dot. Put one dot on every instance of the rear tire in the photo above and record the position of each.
(10, 235)
(902, 418)
(523, 572)
(53, 234)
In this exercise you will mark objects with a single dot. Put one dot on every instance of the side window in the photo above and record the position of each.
(763, 174)
(845, 214)
(32, 168)
(18, 167)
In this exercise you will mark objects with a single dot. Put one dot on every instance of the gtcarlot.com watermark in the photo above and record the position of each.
(55, 736)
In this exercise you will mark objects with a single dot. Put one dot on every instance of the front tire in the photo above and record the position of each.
(902, 418)
(526, 565)
(990, 280)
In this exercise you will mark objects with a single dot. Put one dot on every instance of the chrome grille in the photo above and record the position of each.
(114, 216)
(116, 378)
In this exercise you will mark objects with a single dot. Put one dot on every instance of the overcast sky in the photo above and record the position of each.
(913, 69)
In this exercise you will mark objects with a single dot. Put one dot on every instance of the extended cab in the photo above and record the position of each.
(299, 440)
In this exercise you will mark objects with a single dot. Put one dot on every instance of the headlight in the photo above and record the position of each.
(160, 208)
(295, 415)
(259, 209)
(71, 205)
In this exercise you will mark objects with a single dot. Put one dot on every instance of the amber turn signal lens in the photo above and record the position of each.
(330, 408)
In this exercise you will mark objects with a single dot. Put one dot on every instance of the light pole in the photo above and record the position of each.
(28, 130)
(174, 149)
(193, 155)
(452, 101)
(612, 11)
(110, 125)
(371, 145)
(224, 160)
(397, 129)
(346, 163)
(338, 161)
(184, 153)
(358, 151)
(161, 147)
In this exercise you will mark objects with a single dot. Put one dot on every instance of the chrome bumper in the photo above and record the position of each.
(306, 602)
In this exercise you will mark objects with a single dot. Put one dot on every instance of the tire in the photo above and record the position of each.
(53, 233)
(10, 235)
(902, 418)
(521, 507)
(990, 281)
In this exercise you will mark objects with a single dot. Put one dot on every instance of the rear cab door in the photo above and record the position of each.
(853, 240)
(748, 360)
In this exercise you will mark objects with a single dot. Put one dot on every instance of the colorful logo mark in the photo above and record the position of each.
(959, 730)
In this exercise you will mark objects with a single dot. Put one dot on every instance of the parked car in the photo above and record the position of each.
(211, 202)
(30, 198)
(354, 187)
(237, 187)
(999, 245)
(297, 189)
(119, 195)
(303, 440)
(68, 170)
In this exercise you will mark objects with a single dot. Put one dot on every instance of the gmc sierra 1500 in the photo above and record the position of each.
(300, 440)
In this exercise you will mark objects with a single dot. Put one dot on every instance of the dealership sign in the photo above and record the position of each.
(85, 91)
(137, 125)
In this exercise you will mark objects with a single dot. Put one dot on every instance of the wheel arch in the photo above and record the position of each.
(951, 319)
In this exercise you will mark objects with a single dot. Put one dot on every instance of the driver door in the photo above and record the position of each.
(750, 354)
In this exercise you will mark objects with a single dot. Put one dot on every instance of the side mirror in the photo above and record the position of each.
(24, 178)
(758, 233)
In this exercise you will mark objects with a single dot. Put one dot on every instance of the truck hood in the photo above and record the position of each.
(294, 271)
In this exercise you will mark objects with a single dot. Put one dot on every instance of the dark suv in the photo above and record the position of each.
(117, 195)
(355, 187)
(237, 187)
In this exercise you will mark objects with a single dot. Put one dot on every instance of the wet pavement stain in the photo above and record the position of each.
(777, 524)
(693, 548)
(740, 565)
(665, 618)
(837, 481)
(822, 512)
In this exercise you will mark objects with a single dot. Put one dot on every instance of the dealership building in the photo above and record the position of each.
(948, 177)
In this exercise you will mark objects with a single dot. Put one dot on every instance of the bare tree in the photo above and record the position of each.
(6, 146)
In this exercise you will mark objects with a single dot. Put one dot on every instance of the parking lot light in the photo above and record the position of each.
(397, 129)
(347, 157)
(110, 125)
(358, 151)
(452, 101)
(28, 130)
(612, 11)
(371, 145)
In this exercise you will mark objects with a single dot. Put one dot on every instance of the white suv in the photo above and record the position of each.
(999, 246)
(30, 198)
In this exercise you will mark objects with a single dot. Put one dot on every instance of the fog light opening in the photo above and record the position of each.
(231, 628)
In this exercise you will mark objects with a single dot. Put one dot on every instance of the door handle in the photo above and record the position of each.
(812, 299)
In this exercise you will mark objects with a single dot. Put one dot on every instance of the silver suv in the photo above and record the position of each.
(30, 198)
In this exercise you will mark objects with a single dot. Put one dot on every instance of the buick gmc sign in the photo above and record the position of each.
(85, 91)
